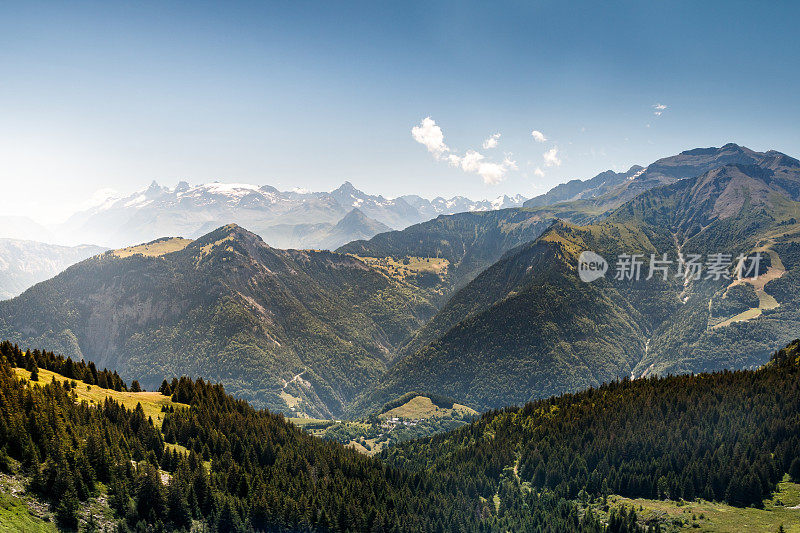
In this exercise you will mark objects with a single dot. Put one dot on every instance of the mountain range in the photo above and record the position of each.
(484, 307)
(528, 327)
(287, 219)
(277, 327)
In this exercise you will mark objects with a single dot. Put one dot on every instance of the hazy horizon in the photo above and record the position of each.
(444, 100)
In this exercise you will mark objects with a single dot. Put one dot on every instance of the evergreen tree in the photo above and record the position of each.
(794, 470)
(180, 514)
(66, 510)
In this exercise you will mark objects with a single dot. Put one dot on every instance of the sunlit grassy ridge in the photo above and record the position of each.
(402, 268)
(151, 402)
(155, 248)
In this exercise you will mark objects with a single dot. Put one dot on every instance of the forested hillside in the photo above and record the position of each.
(528, 327)
(229, 467)
(277, 327)
(548, 466)
(727, 436)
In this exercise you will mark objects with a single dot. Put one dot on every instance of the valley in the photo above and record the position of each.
(508, 469)
(389, 349)
(399, 267)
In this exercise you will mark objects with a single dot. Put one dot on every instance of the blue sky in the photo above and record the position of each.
(307, 94)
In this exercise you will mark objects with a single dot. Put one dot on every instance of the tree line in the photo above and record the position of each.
(230, 467)
(726, 436)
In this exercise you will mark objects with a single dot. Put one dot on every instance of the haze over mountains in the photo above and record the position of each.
(286, 219)
(25, 263)
(483, 306)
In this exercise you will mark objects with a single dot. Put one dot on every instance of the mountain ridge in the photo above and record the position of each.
(25, 263)
(480, 349)
(228, 307)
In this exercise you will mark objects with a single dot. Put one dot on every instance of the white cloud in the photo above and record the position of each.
(659, 109)
(551, 158)
(538, 136)
(429, 134)
(475, 163)
(491, 142)
(539, 172)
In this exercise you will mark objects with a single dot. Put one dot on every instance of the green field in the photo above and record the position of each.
(701, 515)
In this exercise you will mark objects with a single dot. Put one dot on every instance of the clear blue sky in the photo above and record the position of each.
(308, 94)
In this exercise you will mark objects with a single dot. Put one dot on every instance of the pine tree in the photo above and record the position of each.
(179, 511)
(794, 470)
(150, 502)
(67, 510)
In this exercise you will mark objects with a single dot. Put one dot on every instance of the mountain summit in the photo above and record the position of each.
(609, 190)
(528, 327)
(281, 328)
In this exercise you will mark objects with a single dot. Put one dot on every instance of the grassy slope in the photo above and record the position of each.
(423, 407)
(719, 517)
(152, 402)
(14, 511)
(156, 248)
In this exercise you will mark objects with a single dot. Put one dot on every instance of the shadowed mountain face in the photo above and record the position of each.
(469, 242)
(527, 327)
(279, 328)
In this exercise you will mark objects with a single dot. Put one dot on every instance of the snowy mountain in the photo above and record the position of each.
(282, 218)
